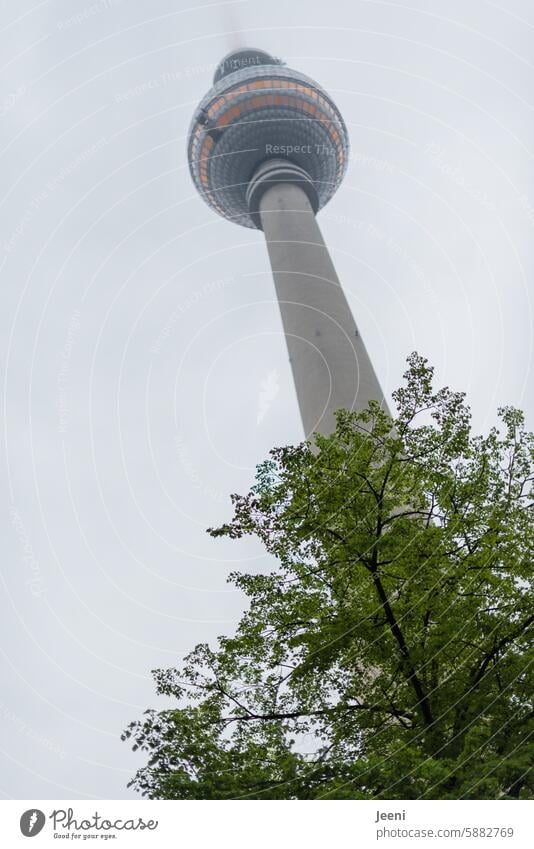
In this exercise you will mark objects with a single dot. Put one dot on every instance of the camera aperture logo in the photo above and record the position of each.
(32, 822)
(68, 826)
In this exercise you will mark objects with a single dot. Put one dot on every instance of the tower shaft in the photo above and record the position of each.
(331, 367)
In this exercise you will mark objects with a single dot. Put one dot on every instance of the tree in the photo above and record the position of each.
(390, 653)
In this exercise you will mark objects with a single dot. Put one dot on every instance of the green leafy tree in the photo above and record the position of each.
(389, 654)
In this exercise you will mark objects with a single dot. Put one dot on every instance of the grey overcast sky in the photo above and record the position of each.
(144, 369)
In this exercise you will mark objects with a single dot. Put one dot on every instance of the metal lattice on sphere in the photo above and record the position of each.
(259, 110)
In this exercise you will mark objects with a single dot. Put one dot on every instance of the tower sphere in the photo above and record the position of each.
(259, 111)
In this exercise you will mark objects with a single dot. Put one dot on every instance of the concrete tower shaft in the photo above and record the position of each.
(331, 367)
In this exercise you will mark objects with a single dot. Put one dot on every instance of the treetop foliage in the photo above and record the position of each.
(389, 653)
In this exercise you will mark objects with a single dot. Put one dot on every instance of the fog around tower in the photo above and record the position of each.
(145, 372)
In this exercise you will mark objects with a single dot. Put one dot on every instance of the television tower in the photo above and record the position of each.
(267, 149)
